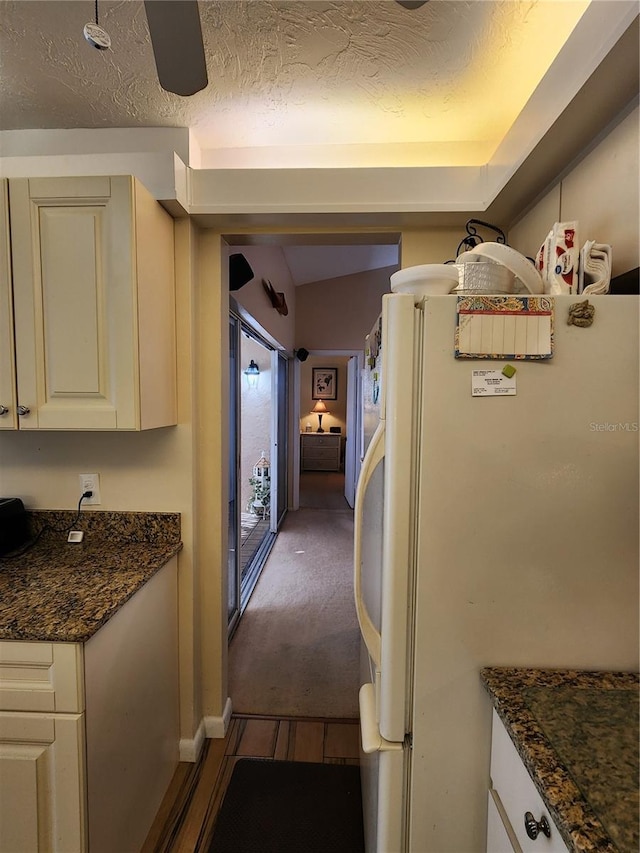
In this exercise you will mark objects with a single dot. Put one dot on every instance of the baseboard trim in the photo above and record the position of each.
(216, 727)
(190, 749)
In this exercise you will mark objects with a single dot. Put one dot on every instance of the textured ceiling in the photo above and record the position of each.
(299, 83)
(437, 85)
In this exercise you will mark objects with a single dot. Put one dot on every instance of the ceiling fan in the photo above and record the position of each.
(176, 38)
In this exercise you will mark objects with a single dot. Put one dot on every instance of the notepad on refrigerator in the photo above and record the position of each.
(513, 327)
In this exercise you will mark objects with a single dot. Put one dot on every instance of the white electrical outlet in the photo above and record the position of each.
(90, 483)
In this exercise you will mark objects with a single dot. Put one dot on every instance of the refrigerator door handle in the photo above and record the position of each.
(374, 454)
(372, 740)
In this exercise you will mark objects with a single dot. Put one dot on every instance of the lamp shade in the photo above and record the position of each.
(320, 409)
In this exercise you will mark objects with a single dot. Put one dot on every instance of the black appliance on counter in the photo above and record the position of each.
(14, 525)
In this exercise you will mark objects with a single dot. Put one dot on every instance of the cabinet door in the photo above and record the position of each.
(42, 807)
(75, 302)
(8, 417)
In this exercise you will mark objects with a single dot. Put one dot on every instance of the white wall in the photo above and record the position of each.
(337, 314)
(602, 192)
(430, 246)
(268, 262)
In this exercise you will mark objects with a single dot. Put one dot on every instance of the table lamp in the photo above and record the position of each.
(320, 409)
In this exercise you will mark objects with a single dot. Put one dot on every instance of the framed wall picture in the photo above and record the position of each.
(324, 383)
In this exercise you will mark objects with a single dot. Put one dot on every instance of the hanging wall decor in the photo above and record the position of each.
(324, 383)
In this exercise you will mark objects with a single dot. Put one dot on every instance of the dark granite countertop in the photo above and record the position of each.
(61, 592)
(577, 734)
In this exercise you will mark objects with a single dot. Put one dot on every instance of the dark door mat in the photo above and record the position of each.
(290, 807)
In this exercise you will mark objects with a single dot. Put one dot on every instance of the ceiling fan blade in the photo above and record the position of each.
(411, 4)
(176, 38)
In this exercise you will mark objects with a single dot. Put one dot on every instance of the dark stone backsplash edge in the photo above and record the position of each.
(152, 528)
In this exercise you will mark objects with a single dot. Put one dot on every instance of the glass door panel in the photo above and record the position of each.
(256, 414)
(233, 574)
(258, 402)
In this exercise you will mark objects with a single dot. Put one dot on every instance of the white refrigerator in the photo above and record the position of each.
(489, 531)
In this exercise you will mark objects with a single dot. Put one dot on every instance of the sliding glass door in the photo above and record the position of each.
(257, 457)
(233, 594)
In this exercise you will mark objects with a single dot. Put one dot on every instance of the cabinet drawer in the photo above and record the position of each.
(517, 794)
(41, 677)
(319, 453)
(315, 441)
(320, 464)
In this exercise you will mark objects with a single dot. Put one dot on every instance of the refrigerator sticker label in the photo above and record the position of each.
(492, 383)
(513, 327)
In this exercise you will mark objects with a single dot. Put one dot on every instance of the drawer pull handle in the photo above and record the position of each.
(534, 827)
(3, 410)
(23, 410)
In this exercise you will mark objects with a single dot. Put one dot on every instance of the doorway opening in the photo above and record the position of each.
(330, 440)
(296, 649)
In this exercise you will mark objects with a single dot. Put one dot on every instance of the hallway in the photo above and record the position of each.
(296, 650)
(322, 490)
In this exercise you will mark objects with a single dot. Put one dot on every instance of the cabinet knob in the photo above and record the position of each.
(535, 827)
(23, 410)
(3, 410)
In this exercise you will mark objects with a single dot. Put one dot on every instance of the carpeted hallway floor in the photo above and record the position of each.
(296, 650)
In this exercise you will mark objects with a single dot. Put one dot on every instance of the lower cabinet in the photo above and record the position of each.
(42, 781)
(512, 797)
(89, 732)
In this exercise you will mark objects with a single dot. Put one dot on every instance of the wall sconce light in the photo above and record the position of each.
(320, 409)
(252, 372)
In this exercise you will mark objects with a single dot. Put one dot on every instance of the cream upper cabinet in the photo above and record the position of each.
(94, 304)
(8, 417)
